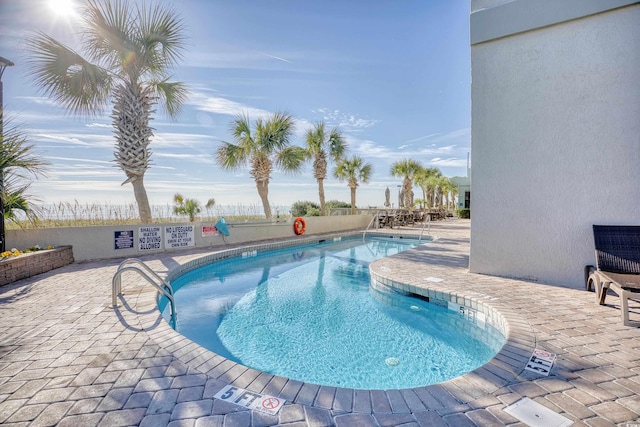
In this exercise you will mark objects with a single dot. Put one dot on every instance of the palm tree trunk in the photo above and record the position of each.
(263, 192)
(142, 200)
(323, 212)
(406, 189)
(353, 200)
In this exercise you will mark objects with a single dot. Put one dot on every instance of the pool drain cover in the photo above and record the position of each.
(392, 361)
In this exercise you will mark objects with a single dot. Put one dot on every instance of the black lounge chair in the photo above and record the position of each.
(617, 264)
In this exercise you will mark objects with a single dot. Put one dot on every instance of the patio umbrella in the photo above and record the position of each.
(387, 198)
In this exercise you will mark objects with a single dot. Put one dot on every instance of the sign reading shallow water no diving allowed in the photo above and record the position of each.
(149, 238)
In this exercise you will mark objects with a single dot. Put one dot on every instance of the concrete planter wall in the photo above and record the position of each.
(27, 265)
(102, 242)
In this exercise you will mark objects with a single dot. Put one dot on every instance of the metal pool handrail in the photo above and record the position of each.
(424, 223)
(148, 274)
(369, 226)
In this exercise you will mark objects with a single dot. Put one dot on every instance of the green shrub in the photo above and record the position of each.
(337, 204)
(305, 208)
(463, 213)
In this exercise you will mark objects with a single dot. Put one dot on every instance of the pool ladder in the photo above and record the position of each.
(134, 264)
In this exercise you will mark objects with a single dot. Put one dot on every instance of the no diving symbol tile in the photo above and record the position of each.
(271, 403)
(254, 401)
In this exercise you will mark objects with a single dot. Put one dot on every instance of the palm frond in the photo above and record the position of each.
(17, 155)
(173, 95)
(241, 130)
(230, 156)
(16, 199)
(64, 75)
(161, 36)
(291, 159)
(277, 132)
(337, 144)
(109, 33)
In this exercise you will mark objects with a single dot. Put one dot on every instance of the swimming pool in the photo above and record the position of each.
(308, 313)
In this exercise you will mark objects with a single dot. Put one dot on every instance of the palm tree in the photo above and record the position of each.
(454, 194)
(267, 146)
(425, 178)
(128, 53)
(190, 207)
(443, 187)
(321, 145)
(18, 163)
(353, 170)
(407, 169)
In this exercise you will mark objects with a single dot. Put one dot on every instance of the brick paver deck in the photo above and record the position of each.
(68, 358)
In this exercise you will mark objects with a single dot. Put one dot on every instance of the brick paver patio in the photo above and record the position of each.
(68, 358)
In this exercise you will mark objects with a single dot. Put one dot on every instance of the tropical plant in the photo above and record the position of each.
(445, 187)
(267, 146)
(463, 213)
(454, 194)
(406, 168)
(331, 204)
(353, 170)
(427, 179)
(129, 50)
(320, 147)
(18, 164)
(305, 208)
(190, 207)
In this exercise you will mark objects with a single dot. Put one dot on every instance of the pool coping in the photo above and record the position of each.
(505, 368)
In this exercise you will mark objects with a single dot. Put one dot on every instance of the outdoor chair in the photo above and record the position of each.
(617, 265)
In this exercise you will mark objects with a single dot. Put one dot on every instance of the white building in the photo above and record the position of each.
(555, 132)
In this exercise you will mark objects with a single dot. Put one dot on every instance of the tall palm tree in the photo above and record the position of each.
(267, 146)
(129, 51)
(407, 169)
(353, 170)
(320, 145)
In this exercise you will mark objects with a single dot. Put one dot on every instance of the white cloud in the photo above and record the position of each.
(275, 57)
(345, 121)
(61, 138)
(74, 159)
(450, 162)
(219, 105)
(171, 139)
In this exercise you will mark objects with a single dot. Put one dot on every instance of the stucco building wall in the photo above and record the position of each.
(555, 132)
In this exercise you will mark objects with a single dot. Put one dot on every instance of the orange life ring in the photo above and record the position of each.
(299, 226)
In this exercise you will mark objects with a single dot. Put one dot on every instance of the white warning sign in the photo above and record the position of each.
(254, 401)
(179, 236)
(541, 362)
(149, 238)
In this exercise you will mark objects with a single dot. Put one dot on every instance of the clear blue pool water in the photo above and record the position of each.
(308, 313)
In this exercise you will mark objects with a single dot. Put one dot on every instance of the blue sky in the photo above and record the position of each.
(393, 75)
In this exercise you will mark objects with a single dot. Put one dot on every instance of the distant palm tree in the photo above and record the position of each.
(353, 170)
(267, 146)
(445, 187)
(129, 51)
(18, 163)
(426, 178)
(190, 207)
(320, 145)
(407, 169)
(454, 194)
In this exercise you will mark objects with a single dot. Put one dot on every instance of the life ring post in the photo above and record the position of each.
(299, 226)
